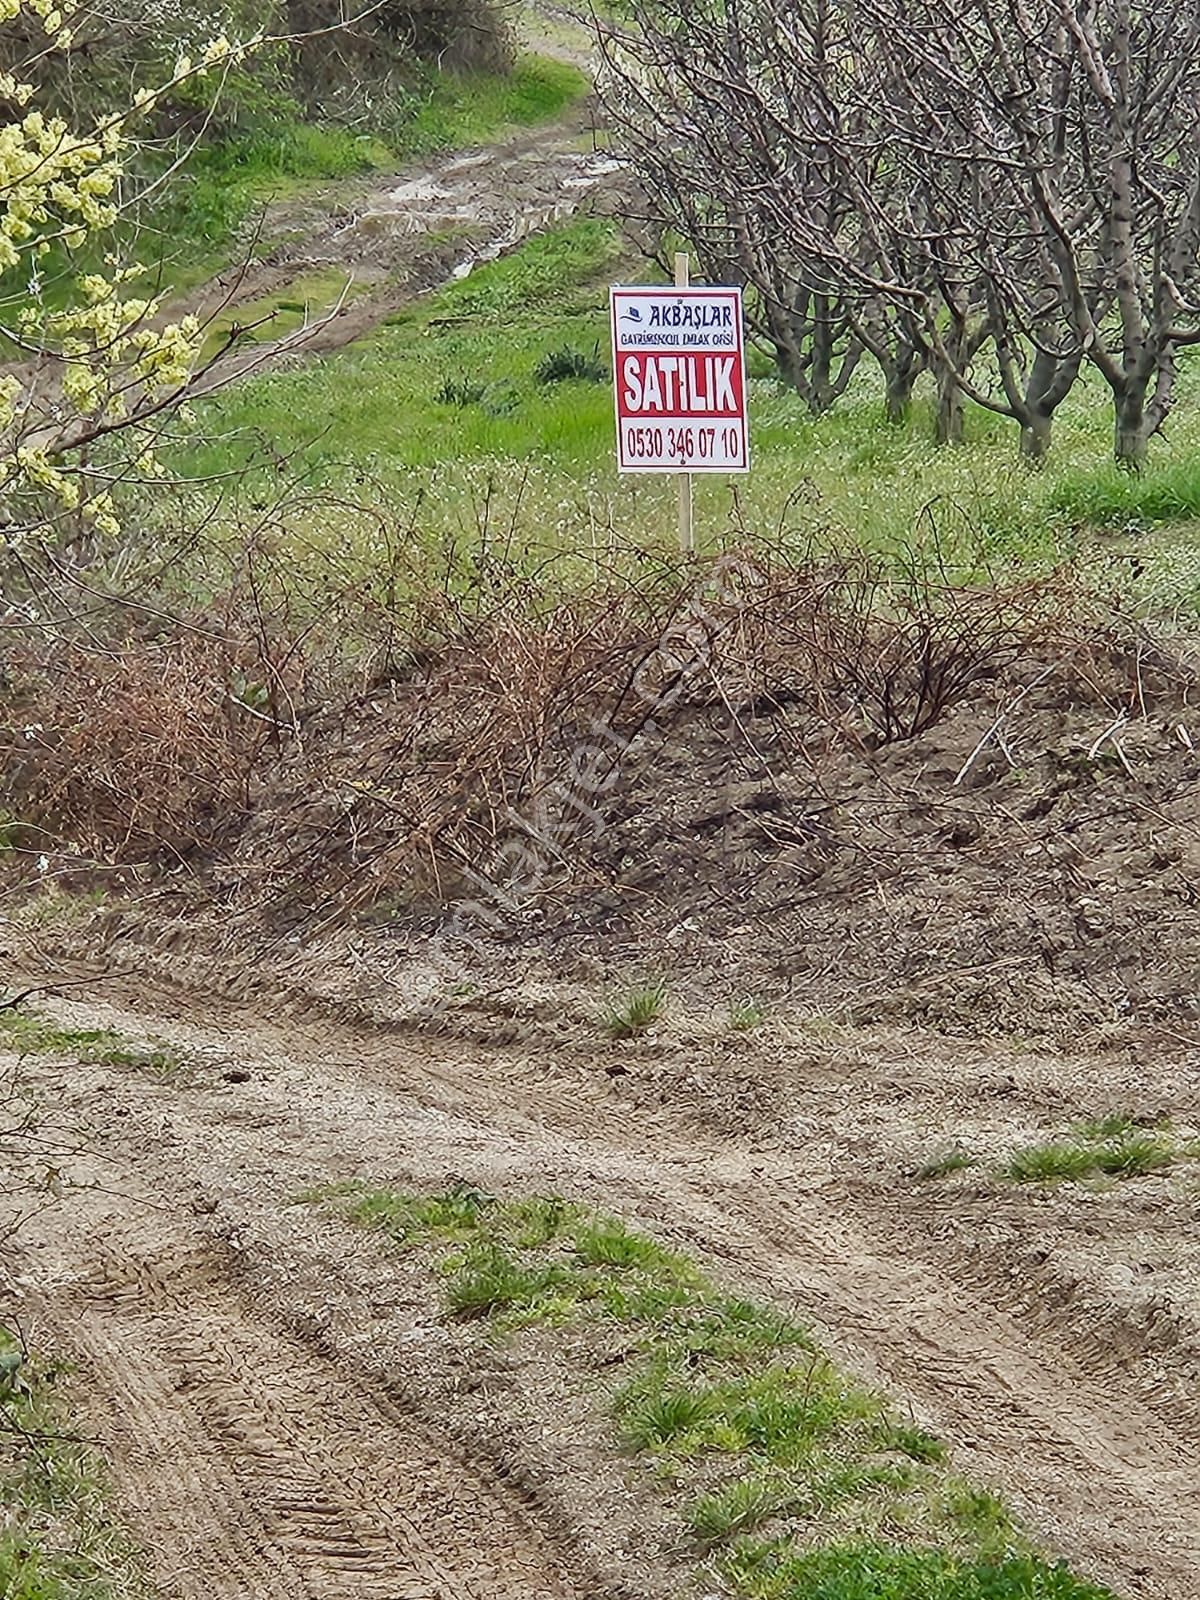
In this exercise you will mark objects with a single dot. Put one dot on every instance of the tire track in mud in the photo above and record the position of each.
(1119, 1486)
(401, 239)
(251, 1467)
(1110, 1477)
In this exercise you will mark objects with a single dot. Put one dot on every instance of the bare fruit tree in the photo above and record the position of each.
(677, 83)
(998, 191)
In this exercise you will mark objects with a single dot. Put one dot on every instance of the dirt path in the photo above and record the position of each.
(345, 258)
(350, 254)
(253, 1468)
(244, 1351)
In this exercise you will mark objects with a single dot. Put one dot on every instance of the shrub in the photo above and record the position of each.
(569, 365)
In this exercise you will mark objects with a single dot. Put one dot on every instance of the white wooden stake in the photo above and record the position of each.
(687, 538)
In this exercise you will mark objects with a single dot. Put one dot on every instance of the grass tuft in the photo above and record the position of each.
(605, 1242)
(738, 1508)
(652, 1420)
(1048, 1163)
(568, 365)
(539, 1220)
(1134, 1156)
(979, 1513)
(1109, 1147)
(944, 1165)
(746, 1015)
(636, 1010)
(1111, 1126)
(734, 1332)
(490, 1280)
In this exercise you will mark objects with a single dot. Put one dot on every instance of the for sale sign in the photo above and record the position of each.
(679, 369)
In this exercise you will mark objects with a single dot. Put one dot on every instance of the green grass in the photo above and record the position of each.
(790, 1480)
(1114, 1145)
(605, 1242)
(944, 1165)
(746, 1015)
(1103, 496)
(1124, 1152)
(453, 1215)
(528, 466)
(868, 1571)
(737, 1508)
(57, 1538)
(1134, 1155)
(911, 1441)
(451, 110)
(26, 1034)
(637, 1009)
(1111, 1125)
(1047, 1163)
(489, 1281)
(664, 1417)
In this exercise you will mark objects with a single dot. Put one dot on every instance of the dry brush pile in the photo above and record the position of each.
(319, 754)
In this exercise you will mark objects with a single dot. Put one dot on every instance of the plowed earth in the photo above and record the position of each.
(288, 1416)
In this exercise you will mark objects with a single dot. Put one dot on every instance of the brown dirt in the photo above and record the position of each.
(287, 1415)
(1045, 888)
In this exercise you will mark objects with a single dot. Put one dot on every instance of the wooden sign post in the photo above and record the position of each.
(687, 530)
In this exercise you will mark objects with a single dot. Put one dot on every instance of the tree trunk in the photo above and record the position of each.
(897, 395)
(1131, 436)
(820, 395)
(1035, 437)
(949, 409)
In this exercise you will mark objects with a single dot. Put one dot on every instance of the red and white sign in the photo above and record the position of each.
(680, 373)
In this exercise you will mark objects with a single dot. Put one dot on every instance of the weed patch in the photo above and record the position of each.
(1114, 1150)
(568, 365)
(1134, 1155)
(453, 1215)
(1112, 1146)
(791, 1480)
(490, 1280)
(746, 1015)
(26, 1035)
(1046, 1163)
(57, 1540)
(633, 1012)
(738, 1508)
